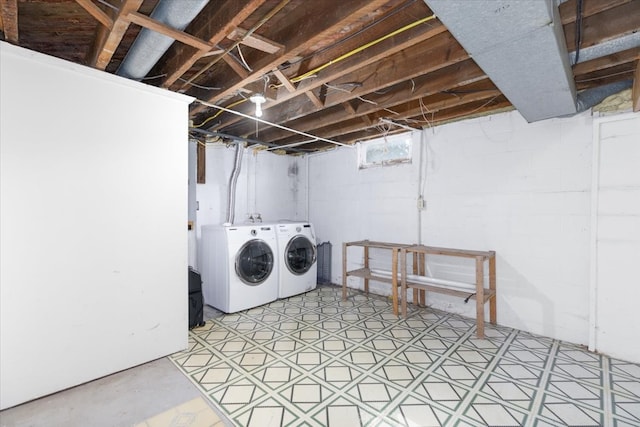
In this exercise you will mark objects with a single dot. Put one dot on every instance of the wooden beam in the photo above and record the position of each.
(440, 52)
(212, 24)
(315, 100)
(9, 15)
(311, 24)
(436, 53)
(635, 92)
(608, 25)
(605, 62)
(333, 125)
(284, 80)
(181, 36)
(365, 59)
(96, 12)
(255, 41)
(108, 39)
(236, 66)
(464, 77)
(589, 8)
(201, 163)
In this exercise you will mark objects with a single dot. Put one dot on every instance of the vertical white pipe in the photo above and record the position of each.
(308, 214)
(593, 257)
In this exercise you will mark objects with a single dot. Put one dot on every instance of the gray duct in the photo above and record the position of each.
(233, 180)
(592, 97)
(149, 46)
(520, 45)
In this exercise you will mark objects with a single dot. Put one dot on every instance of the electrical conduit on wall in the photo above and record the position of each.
(233, 180)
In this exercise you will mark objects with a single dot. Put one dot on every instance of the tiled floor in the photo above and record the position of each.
(314, 360)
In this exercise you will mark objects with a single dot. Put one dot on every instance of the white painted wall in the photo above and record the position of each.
(492, 183)
(616, 236)
(271, 185)
(93, 256)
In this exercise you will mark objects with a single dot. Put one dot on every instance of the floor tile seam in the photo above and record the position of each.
(542, 386)
(583, 381)
(625, 394)
(624, 418)
(424, 374)
(466, 402)
(543, 417)
(451, 412)
(204, 393)
(300, 415)
(624, 377)
(229, 359)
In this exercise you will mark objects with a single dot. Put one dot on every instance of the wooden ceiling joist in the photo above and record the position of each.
(378, 77)
(96, 12)
(364, 60)
(255, 41)
(9, 19)
(107, 39)
(212, 24)
(336, 15)
(181, 36)
(608, 25)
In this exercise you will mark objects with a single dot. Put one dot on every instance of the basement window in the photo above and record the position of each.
(385, 152)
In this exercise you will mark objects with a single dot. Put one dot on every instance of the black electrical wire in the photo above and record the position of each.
(578, 30)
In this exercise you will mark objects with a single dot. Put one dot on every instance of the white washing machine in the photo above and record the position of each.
(297, 253)
(240, 266)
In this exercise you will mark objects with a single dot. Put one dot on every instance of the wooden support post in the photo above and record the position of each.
(423, 272)
(415, 292)
(394, 279)
(366, 265)
(403, 281)
(344, 271)
(492, 285)
(480, 296)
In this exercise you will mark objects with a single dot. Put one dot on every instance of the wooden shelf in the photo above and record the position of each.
(419, 282)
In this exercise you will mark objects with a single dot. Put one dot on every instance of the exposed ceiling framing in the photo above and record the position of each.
(340, 71)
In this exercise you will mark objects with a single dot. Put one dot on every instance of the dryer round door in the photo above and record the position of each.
(300, 255)
(254, 262)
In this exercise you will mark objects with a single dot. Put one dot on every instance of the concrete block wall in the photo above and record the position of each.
(492, 183)
(269, 184)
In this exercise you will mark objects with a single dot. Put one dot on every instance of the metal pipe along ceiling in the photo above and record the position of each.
(520, 45)
(149, 46)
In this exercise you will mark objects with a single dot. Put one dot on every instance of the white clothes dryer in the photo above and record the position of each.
(297, 254)
(240, 266)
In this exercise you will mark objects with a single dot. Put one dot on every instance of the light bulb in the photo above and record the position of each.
(258, 100)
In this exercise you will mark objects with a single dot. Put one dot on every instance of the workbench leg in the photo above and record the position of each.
(366, 265)
(415, 272)
(344, 272)
(423, 272)
(403, 281)
(493, 313)
(480, 296)
(394, 280)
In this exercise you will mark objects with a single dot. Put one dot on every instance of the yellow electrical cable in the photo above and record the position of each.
(220, 112)
(361, 48)
(333, 61)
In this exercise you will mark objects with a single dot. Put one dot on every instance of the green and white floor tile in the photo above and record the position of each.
(315, 360)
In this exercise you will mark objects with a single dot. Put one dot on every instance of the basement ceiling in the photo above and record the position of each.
(335, 71)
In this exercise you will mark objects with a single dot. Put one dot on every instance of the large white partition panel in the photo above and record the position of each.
(93, 224)
(615, 237)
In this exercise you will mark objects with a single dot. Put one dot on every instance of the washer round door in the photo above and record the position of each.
(300, 255)
(254, 262)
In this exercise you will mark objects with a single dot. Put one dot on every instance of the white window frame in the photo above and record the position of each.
(365, 147)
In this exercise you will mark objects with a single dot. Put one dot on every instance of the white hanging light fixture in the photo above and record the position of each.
(258, 99)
